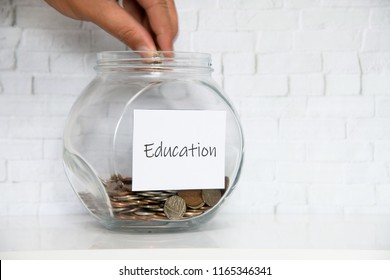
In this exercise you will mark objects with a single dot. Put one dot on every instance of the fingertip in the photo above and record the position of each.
(164, 44)
(145, 48)
(146, 52)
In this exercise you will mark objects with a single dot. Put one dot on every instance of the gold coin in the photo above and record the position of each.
(211, 197)
(192, 214)
(149, 201)
(125, 217)
(175, 207)
(193, 198)
(129, 211)
(117, 204)
(144, 213)
(194, 211)
(161, 214)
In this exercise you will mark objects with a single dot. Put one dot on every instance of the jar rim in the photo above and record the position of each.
(111, 60)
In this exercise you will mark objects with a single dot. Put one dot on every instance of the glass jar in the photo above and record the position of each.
(99, 140)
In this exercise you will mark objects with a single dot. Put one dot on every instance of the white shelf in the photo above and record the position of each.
(261, 236)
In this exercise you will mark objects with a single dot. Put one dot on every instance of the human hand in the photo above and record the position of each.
(141, 24)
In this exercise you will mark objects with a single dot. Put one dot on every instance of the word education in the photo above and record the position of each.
(160, 150)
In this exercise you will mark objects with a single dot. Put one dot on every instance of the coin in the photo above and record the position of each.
(175, 207)
(149, 193)
(144, 213)
(126, 217)
(161, 214)
(149, 201)
(193, 198)
(126, 197)
(119, 177)
(119, 209)
(110, 185)
(156, 205)
(195, 210)
(160, 198)
(132, 210)
(197, 206)
(171, 192)
(114, 189)
(211, 197)
(118, 204)
(150, 206)
(192, 214)
(127, 180)
(227, 183)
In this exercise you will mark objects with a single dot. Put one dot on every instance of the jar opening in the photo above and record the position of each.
(153, 61)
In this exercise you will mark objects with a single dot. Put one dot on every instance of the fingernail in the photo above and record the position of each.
(147, 51)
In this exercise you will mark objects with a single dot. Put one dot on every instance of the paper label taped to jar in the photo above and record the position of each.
(178, 149)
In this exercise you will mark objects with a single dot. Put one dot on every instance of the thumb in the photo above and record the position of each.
(116, 21)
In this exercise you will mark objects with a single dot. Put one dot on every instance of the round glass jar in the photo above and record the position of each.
(98, 139)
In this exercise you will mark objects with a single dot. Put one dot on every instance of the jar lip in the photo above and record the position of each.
(111, 60)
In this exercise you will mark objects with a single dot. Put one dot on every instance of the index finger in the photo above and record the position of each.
(162, 16)
(116, 21)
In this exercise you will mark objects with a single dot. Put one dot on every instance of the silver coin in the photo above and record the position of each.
(165, 194)
(171, 192)
(144, 213)
(149, 193)
(197, 206)
(158, 210)
(175, 207)
(126, 197)
(159, 198)
(150, 206)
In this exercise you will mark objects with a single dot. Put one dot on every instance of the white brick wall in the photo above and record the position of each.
(375, 63)
(347, 18)
(3, 171)
(310, 79)
(328, 40)
(307, 84)
(341, 63)
(288, 63)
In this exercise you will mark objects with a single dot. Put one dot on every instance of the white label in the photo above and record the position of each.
(178, 150)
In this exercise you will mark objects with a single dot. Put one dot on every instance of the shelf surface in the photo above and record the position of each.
(243, 235)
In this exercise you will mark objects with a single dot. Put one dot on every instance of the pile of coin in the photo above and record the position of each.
(158, 205)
